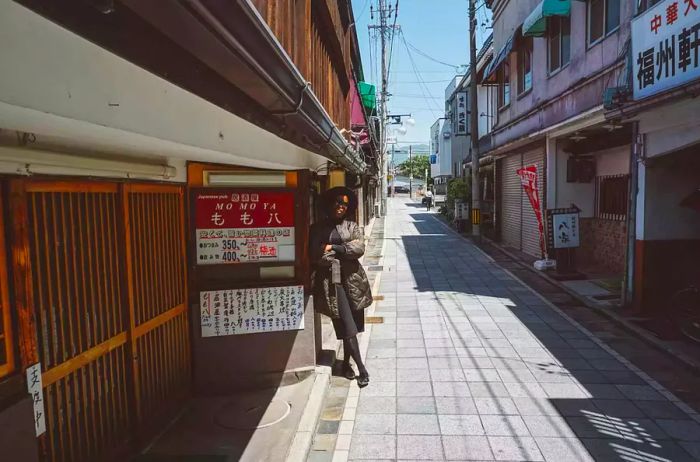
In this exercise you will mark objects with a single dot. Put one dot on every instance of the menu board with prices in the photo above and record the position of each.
(244, 227)
(247, 311)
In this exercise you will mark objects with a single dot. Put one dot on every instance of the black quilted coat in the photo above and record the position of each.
(353, 276)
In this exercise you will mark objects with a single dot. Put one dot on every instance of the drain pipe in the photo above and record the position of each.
(635, 157)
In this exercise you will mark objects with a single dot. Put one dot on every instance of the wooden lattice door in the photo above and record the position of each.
(103, 276)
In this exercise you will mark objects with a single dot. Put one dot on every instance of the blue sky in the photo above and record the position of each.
(437, 28)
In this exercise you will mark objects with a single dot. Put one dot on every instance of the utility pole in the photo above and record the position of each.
(384, 13)
(474, 123)
(410, 171)
(393, 170)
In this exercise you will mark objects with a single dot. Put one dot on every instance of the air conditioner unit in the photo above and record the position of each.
(580, 169)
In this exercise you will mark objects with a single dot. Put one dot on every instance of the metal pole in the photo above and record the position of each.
(393, 171)
(410, 173)
(474, 123)
(635, 155)
(385, 170)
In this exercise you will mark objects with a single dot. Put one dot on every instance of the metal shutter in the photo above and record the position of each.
(511, 201)
(530, 231)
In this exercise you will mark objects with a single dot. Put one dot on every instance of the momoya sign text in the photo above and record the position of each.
(666, 46)
(244, 226)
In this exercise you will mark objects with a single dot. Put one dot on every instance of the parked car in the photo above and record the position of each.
(399, 189)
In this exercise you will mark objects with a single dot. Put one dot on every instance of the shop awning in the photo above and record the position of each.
(535, 25)
(499, 57)
(368, 94)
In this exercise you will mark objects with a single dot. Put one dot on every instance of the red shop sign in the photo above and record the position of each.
(244, 209)
(244, 227)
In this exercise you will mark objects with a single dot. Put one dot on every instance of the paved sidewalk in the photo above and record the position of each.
(471, 365)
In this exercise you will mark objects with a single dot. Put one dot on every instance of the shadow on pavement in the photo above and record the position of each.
(546, 378)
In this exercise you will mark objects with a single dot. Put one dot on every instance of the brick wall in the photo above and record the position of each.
(603, 244)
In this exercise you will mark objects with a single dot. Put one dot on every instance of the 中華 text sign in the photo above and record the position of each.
(665, 47)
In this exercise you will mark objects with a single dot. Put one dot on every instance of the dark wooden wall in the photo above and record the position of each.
(317, 35)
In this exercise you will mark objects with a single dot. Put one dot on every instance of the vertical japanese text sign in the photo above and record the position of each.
(565, 229)
(36, 391)
(461, 121)
(244, 226)
(528, 178)
(665, 47)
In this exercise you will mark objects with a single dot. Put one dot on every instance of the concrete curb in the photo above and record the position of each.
(620, 321)
(303, 439)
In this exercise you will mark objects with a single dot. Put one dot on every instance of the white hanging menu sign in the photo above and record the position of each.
(247, 311)
(36, 391)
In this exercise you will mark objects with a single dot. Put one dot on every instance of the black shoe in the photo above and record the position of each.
(347, 371)
(363, 380)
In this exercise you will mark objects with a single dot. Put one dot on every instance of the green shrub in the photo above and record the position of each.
(457, 188)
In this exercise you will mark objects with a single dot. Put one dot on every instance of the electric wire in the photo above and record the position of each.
(391, 43)
(423, 87)
(427, 56)
(363, 11)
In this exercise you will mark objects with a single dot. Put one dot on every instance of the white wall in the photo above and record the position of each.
(56, 84)
(445, 156)
(615, 161)
(486, 118)
(665, 187)
(435, 146)
(670, 127)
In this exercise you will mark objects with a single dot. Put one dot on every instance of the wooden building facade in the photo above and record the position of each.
(99, 136)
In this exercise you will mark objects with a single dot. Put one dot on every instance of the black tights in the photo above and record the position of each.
(351, 348)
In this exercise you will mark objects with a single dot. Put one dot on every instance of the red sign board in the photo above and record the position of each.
(244, 226)
(244, 209)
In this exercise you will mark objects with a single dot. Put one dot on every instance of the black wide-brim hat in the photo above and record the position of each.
(330, 195)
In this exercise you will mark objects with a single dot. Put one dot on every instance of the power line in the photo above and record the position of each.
(427, 56)
(408, 95)
(424, 88)
(393, 33)
(362, 12)
(425, 81)
(424, 72)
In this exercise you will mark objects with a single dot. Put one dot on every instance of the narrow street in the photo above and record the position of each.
(469, 364)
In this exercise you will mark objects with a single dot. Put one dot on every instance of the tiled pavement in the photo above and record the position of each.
(471, 365)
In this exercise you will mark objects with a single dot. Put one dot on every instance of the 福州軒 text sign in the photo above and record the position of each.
(665, 47)
(244, 227)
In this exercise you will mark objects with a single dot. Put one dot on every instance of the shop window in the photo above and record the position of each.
(612, 196)
(643, 5)
(525, 65)
(559, 42)
(603, 18)
(504, 84)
